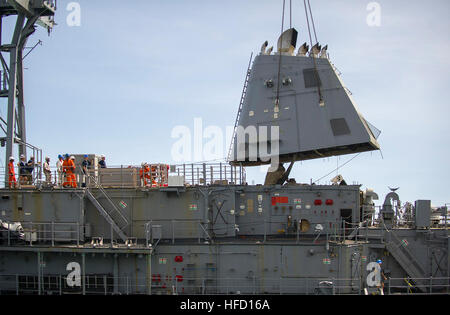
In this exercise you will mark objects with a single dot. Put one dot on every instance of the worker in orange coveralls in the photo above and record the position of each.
(144, 173)
(74, 177)
(12, 176)
(154, 176)
(68, 169)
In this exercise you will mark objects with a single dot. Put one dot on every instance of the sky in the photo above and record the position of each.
(120, 82)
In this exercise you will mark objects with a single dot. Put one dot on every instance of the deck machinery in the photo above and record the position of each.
(204, 230)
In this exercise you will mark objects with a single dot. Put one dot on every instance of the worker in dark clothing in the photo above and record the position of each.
(22, 170)
(85, 166)
(102, 162)
(384, 283)
(30, 170)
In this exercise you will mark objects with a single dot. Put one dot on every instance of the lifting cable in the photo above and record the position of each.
(312, 22)
(277, 100)
(316, 71)
(290, 13)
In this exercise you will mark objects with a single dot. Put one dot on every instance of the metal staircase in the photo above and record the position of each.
(407, 260)
(244, 92)
(114, 216)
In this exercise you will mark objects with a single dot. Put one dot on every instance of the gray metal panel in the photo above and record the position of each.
(422, 213)
(307, 130)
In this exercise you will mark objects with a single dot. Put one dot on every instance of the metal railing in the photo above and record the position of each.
(48, 232)
(434, 285)
(129, 176)
(106, 284)
(172, 230)
(210, 174)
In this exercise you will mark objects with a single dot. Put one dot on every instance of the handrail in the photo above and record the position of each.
(99, 186)
(107, 284)
(404, 249)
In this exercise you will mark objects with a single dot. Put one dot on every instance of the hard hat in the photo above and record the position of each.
(85, 155)
(11, 158)
(379, 261)
(22, 156)
(66, 155)
(102, 156)
(60, 156)
(72, 157)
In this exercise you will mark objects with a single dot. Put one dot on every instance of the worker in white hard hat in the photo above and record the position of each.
(59, 169)
(12, 175)
(47, 171)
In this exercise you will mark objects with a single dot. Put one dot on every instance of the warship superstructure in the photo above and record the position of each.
(201, 228)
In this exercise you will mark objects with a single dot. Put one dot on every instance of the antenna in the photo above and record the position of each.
(29, 13)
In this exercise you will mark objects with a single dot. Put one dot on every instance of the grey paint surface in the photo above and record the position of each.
(226, 243)
(306, 129)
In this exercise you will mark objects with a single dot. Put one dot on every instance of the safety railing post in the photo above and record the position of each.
(280, 285)
(389, 286)
(225, 171)
(431, 284)
(17, 284)
(53, 233)
(39, 272)
(9, 234)
(231, 180)
(333, 286)
(111, 231)
(212, 175)
(240, 174)
(264, 230)
(173, 231)
(78, 234)
(31, 234)
(199, 231)
(343, 231)
(121, 176)
(367, 232)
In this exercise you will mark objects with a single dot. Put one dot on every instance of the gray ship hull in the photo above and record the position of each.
(295, 239)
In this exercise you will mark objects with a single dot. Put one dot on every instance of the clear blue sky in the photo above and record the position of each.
(118, 84)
